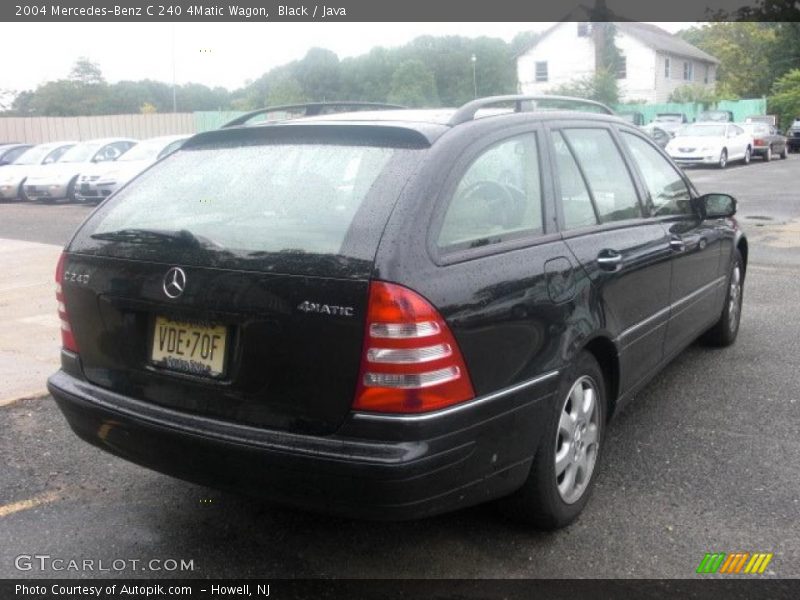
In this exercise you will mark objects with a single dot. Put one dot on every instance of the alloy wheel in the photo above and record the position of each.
(735, 298)
(577, 440)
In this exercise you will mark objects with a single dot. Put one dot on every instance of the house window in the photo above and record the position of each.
(583, 29)
(541, 71)
(622, 68)
(666, 67)
(705, 79)
(688, 72)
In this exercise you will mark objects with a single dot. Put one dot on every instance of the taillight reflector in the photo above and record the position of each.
(67, 337)
(411, 362)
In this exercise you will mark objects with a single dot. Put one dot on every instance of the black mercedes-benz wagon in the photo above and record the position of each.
(392, 313)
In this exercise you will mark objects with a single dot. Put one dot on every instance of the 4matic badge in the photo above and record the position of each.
(325, 309)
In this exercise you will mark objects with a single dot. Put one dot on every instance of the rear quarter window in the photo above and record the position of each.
(498, 197)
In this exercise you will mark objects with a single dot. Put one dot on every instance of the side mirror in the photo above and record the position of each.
(715, 206)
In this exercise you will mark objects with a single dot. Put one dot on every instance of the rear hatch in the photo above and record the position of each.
(231, 279)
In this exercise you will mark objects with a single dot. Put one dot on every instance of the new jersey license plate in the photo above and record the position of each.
(198, 349)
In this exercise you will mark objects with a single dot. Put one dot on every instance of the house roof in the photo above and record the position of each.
(650, 35)
(663, 41)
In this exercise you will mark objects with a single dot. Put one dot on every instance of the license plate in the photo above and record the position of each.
(193, 348)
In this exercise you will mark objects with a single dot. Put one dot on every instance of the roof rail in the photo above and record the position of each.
(312, 109)
(522, 103)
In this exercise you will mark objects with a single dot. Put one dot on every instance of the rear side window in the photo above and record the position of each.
(668, 192)
(498, 198)
(576, 202)
(281, 198)
(610, 184)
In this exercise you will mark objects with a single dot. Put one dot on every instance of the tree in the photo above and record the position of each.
(148, 109)
(285, 90)
(86, 72)
(413, 84)
(601, 87)
(744, 51)
(785, 98)
(694, 93)
(318, 74)
(523, 41)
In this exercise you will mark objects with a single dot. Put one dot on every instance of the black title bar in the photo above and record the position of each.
(394, 11)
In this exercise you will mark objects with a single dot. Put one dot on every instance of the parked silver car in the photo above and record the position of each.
(59, 180)
(100, 180)
(13, 176)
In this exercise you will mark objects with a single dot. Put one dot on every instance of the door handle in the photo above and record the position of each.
(609, 260)
(677, 244)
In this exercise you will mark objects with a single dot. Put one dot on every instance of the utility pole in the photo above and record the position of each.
(174, 98)
(474, 59)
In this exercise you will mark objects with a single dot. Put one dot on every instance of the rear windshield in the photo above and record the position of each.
(252, 199)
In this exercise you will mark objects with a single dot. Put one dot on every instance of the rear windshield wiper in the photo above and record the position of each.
(182, 237)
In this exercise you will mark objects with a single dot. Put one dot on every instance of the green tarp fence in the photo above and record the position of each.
(741, 109)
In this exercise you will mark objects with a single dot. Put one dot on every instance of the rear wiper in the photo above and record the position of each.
(182, 237)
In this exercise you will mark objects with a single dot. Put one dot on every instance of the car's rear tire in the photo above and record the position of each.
(768, 154)
(785, 151)
(725, 330)
(21, 192)
(723, 159)
(71, 194)
(747, 155)
(563, 471)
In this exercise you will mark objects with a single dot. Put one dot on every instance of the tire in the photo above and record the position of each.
(71, 190)
(768, 154)
(747, 156)
(547, 500)
(723, 159)
(785, 152)
(725, 330)
(21, 192)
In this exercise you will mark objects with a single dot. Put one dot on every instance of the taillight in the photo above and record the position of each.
(411, 362)
(67, 339)
(759, 142)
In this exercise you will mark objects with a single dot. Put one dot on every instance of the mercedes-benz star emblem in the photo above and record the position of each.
(174, 282)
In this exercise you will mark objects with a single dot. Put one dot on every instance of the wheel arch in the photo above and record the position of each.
(607, 356)
(743, 248)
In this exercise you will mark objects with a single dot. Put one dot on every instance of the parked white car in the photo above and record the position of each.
(710, 144)
(58, 180)
(13, 176)
(100, 180)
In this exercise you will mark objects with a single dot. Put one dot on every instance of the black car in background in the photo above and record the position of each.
(660, 136)
(793, 135)
(767, 141)
(392, 314)
(670, 122)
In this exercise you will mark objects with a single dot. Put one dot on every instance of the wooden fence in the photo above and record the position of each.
(36, 130)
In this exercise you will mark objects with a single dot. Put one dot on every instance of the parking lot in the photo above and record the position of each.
(705, 459)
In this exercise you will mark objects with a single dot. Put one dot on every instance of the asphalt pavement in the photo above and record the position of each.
(707, 459)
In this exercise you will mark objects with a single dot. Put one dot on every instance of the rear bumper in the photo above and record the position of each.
(483, 453)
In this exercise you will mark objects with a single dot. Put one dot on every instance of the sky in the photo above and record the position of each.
(214, 54)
